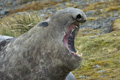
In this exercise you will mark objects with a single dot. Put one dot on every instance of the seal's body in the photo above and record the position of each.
(45, 52)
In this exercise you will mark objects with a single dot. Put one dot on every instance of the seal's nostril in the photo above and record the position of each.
(78, 16)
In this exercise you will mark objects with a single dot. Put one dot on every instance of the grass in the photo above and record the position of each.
(25, 1)
(103, 50)
(37, 5)
(16, 25)
(107, 7)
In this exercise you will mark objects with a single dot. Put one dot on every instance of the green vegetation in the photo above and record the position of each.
(37, 5)
(107, 6)
(16, 25)
(103, 50)
(25, 1)
(103, 9)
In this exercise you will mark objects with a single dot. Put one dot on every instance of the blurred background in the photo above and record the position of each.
(98, 39)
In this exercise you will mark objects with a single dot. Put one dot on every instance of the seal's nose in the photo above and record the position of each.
(84, 20)
(78, 17)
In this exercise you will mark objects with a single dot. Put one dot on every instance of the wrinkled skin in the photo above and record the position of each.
(40, 53)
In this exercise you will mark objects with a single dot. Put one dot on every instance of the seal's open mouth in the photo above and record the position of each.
(69, 39)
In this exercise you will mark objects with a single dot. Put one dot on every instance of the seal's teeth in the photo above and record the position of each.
(76, 26)
(81, 55)
(76, 53)
(72, 30)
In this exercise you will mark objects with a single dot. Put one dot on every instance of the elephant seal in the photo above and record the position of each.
(6, 39)
(46, 51)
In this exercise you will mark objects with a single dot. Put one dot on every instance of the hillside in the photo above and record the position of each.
(98, 39)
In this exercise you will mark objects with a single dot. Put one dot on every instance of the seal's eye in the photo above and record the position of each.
(78, 17)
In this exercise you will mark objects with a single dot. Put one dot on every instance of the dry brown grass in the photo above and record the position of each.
(95, 6)
(116, 25)
(110, 6)
(37, 6)
(103, 50)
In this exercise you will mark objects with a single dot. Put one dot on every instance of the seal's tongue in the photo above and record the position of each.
(69, 39)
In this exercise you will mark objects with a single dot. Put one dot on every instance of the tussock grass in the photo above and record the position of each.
(18, 24)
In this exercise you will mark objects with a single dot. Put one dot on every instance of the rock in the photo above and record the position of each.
(42, 15)
(92, 37)
(90, 12)
(20, 13)
(101, 71)
(50, 12)
(1, 8)
(96, 0)
(115, 14)
(2, 37)
(14, 3)
(102, 0)
(1, 4)
(70, 76)
(107, 25)
(96, 26)
(53, 10)
(97, 66)
(58, 0)
(1, 17)
(69, 5)
(101, 10)
(103, 75)
(39, 12)
(82, 77)
(76, 0)
(4, 12)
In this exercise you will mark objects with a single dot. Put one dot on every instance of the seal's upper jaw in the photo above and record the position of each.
(77, 14)
(69, 38)
(80, 19)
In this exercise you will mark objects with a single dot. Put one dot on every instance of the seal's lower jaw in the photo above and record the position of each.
(69, 39)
